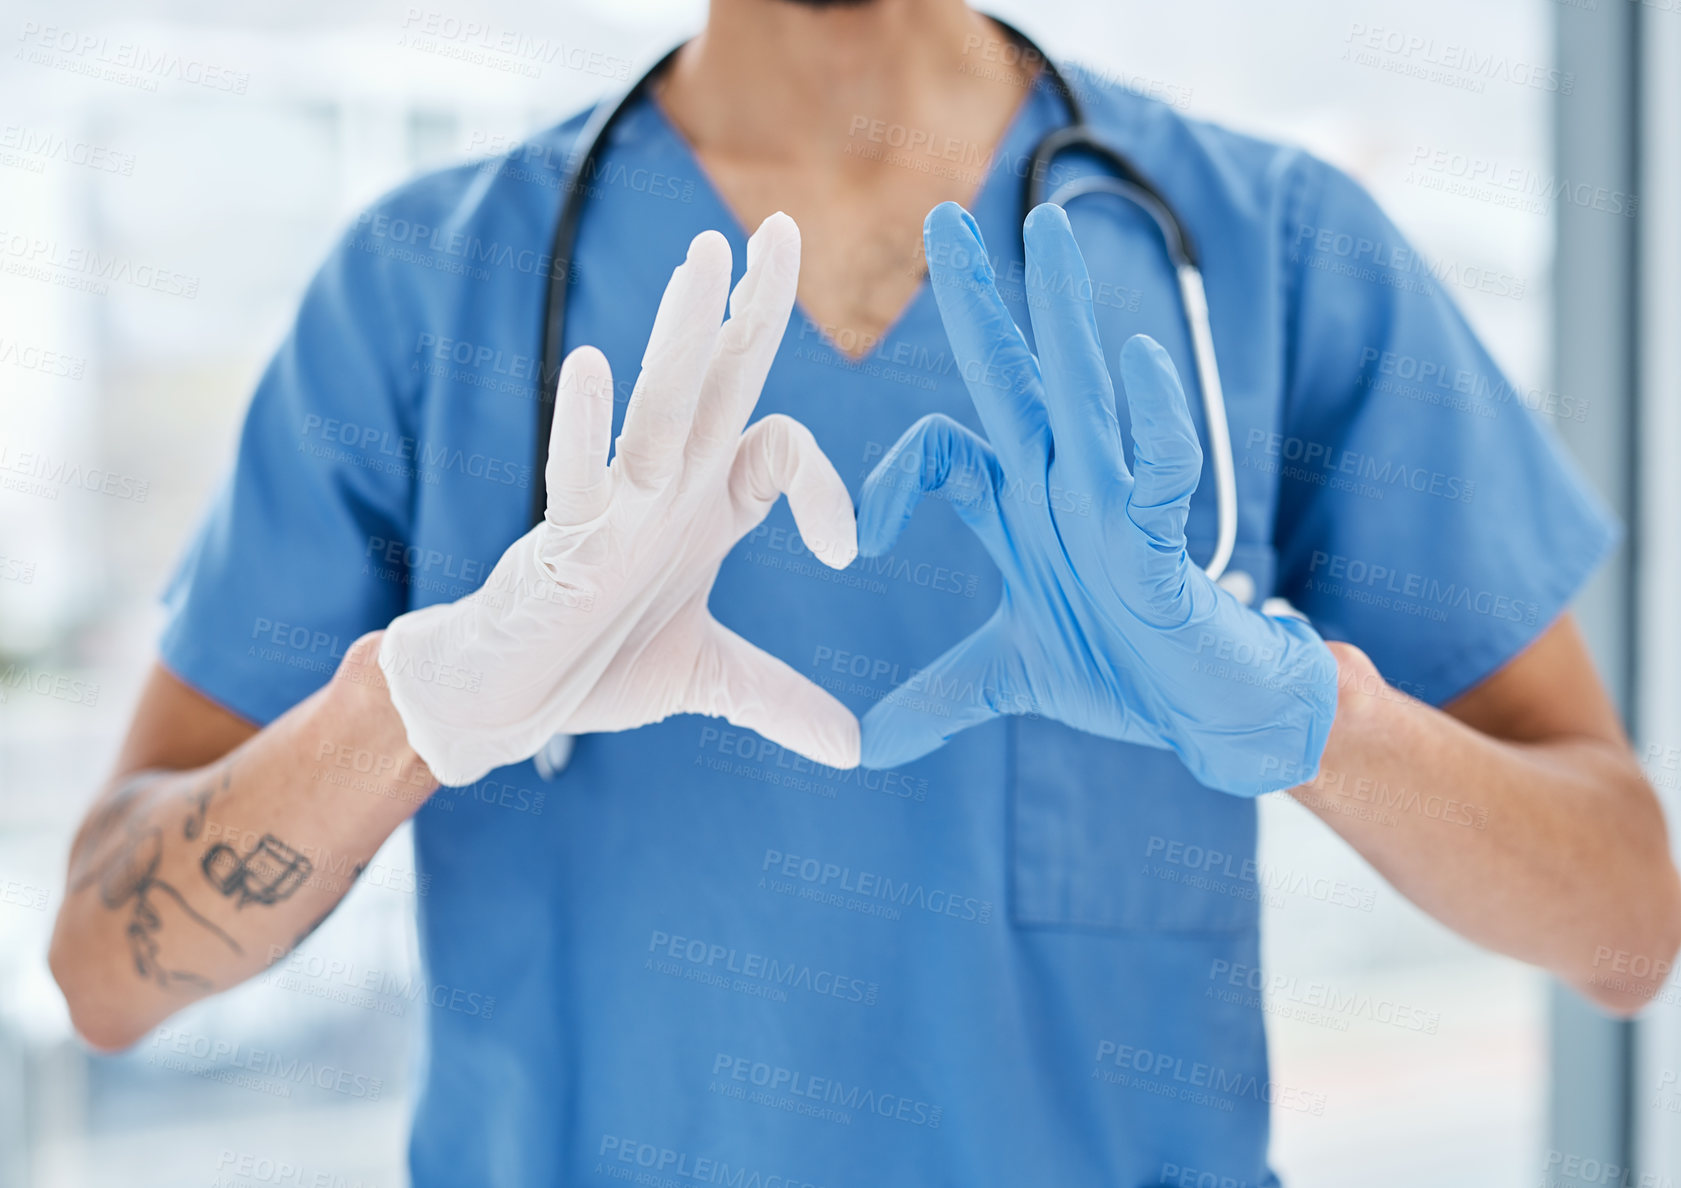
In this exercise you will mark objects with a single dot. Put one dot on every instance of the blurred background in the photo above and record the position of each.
(157, 227)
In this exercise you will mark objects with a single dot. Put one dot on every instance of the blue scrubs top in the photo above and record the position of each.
(1008, 963)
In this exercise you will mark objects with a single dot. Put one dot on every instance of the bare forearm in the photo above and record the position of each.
(1553, 852)
(185, 883)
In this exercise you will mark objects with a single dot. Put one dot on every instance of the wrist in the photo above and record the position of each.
(1363, 697)
(359, 741)
(1361, 689)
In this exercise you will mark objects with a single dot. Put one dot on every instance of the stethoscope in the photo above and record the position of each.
(1128, 183)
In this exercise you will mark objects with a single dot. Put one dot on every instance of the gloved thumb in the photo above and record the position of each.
(752, 689)
(974, 682)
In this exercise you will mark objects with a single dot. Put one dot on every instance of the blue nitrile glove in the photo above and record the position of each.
(1105, 623)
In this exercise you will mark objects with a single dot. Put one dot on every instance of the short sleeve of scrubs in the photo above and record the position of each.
(288, 569)
(1426, 513)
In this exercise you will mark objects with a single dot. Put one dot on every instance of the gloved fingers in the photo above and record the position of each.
(754, 690)
(576, 478)
(1167, 458)
(935, 456)
(747, 344)
(778, 455)
(662, 405)
(999, 370)
(963, 688)
(1079, 395)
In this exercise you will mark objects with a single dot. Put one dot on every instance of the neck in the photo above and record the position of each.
(775, 79)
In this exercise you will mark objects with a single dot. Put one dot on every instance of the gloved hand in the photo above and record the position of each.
(1105, 623)
(596, 619)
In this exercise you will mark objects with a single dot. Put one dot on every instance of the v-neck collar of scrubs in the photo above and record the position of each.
(980, 202)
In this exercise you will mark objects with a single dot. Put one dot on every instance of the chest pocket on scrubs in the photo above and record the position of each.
(1107, 834)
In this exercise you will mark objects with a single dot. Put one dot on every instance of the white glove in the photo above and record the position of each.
(596, 619)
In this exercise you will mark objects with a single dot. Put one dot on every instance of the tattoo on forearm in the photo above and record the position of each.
(216, 781)
(120, 851)
(127, 877)
(113, 814)
(269, 873)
